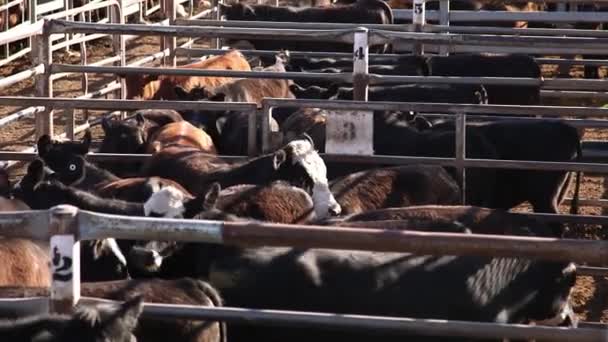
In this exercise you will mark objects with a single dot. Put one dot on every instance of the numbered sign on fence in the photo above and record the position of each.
(350, 132)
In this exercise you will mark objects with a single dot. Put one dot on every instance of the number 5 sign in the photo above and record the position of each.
(418, 17)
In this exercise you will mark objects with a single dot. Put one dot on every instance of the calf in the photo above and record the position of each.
(363, 11)
(297, 162)
(180, 134)
(493, 66)
(395, 187)
(130, 137)
(161, 87)
(245, 89)
(40, 194)
(74, 170)
(180, 291)
(95, 324)
(24, 263)
(534, 141)
(486, 289)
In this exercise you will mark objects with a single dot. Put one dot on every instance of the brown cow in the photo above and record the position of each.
(180, 134)
(24, 261)
(245, 89)
(152, 87)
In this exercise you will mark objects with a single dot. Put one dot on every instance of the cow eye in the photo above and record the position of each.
(72, 167)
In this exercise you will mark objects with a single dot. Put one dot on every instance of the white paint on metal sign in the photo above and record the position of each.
(418, 17)
(65, 267)
(350, 132)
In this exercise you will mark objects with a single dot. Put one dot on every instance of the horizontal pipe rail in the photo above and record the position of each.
(69, 103)
(578, 84)
(343, 77)
(552, 111)
(486, 39)
(378, 324)
(198, 52)
(61, 26)
(20, 76)
(22, 32)
(491, 16)
(97, 226)
(400, 28)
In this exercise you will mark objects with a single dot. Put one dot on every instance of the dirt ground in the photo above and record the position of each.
(591, 293)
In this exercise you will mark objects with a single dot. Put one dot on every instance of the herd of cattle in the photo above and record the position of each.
(186, 177)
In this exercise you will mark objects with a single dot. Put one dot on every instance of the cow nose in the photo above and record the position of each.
(335, 209)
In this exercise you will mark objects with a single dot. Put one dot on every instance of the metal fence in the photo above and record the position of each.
(67, 225)
(64, 226)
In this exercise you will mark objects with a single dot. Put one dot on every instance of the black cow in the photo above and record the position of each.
(92, 324)
(493, 66)
(130, 136)
(440, 93)
(541, 141)
(363, 11)
(505, 290)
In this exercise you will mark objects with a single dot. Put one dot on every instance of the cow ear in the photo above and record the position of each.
(140, 119)
(296, 89)
(125, 317)
(106, 125)
(219, 97)
(224, 7)
(44, 145)
(309, 138)
(181, 93)
(212, 196)
(85, 145)
(279, 158)
(220, 123)
(36, 171)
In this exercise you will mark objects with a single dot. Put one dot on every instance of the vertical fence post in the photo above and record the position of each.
(266, 114)
(41, 50)
(418, 20)
(252, 136)
(217, 42)
(65, 259)
(119, 49)
(33, 18)
(461, 133)
(360, 64)
(172, 41)
(444, 19)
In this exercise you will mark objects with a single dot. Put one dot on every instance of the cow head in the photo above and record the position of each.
(127, 137)
(52, 151)
(299, 163)
(124, 136)
(103, 323)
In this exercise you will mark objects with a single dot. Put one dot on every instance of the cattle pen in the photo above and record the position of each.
(65, 226)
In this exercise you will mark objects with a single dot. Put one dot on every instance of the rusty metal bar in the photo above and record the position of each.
(96, 226)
